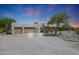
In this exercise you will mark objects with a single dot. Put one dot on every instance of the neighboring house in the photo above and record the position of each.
(31, 28)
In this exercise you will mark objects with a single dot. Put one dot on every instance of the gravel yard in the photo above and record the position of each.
(36, 44)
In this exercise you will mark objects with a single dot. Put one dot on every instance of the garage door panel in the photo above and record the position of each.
(29, 30)
(17, 30)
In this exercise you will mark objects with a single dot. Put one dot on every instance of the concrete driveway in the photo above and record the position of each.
(35, 44)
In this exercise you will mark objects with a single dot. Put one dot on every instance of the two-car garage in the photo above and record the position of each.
(23, 28)
(18, 30)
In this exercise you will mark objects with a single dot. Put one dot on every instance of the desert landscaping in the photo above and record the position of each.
(37, 29)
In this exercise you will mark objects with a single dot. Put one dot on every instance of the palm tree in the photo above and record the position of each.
(59, 18)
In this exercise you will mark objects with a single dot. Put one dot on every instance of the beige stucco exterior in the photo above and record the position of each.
(31, 28)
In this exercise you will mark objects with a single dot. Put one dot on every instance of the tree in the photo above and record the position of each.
(67, 27)
(5, 23)
(59, 18)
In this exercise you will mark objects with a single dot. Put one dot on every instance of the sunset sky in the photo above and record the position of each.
(30, 13)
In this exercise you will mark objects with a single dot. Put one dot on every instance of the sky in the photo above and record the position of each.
(30, 13)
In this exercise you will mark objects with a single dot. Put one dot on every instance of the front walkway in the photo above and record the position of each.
(34, 44)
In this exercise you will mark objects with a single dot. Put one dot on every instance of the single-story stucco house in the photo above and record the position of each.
(31, 28)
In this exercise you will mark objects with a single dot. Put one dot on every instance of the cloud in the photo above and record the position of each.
(5, 14)
(31, 12)
(74, 22)
(75, 25)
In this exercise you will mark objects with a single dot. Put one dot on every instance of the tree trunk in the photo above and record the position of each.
(56, 29)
